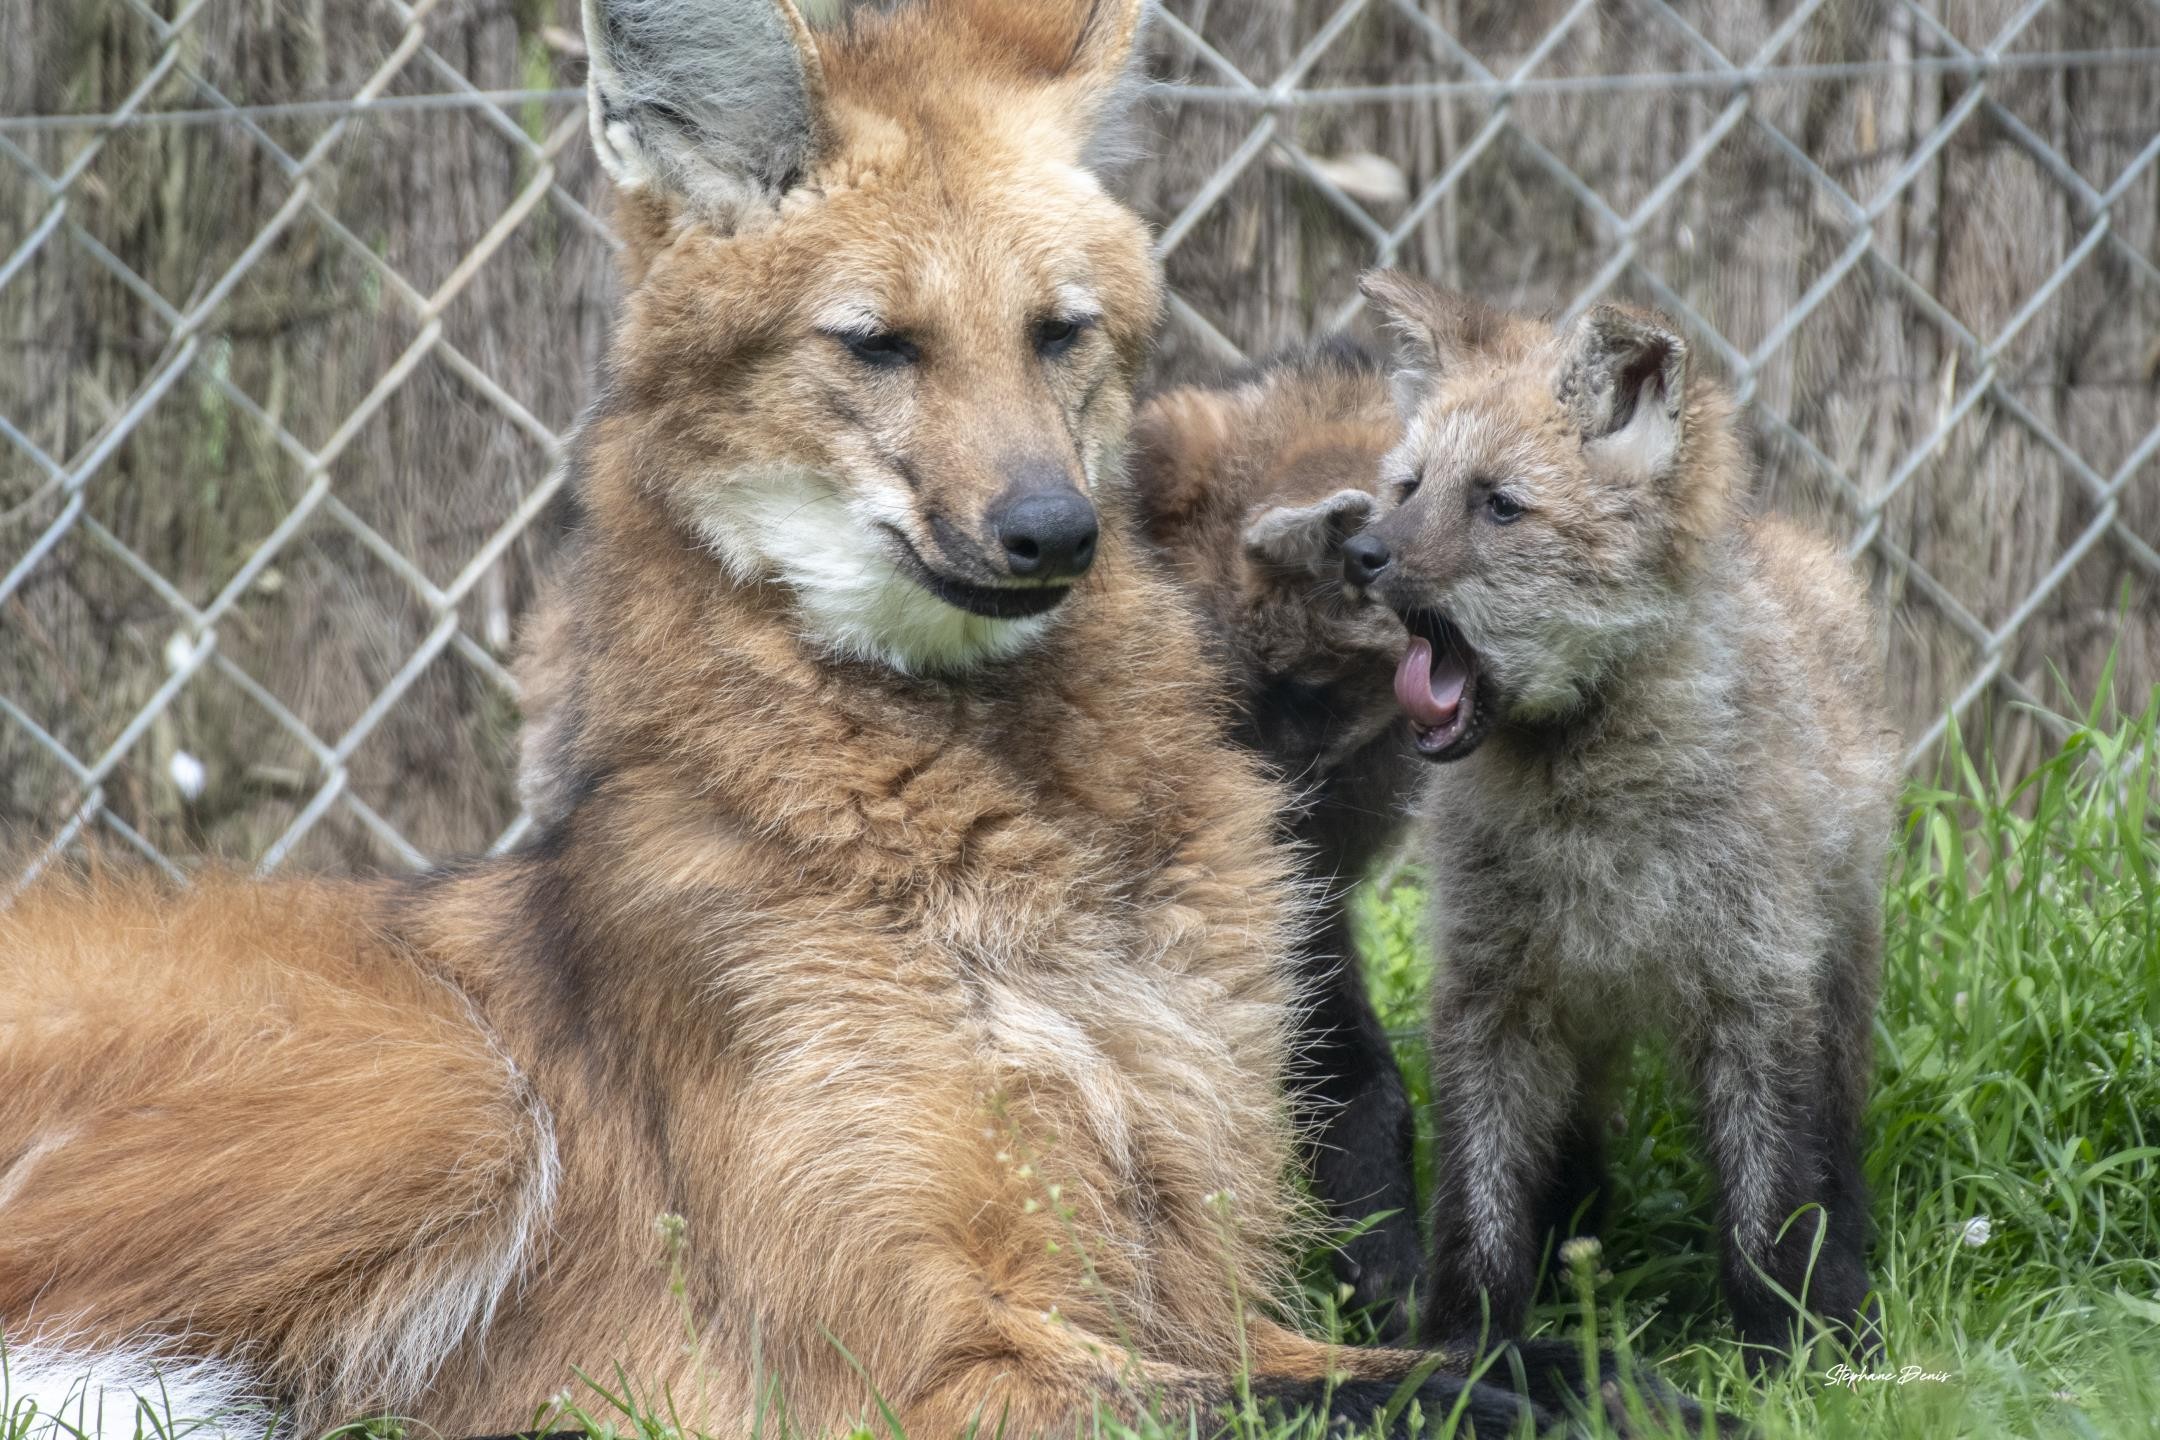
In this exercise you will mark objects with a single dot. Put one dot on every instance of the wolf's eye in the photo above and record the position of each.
(884, 348)
(1406, 487)
(1504, 508)
(1058, 334)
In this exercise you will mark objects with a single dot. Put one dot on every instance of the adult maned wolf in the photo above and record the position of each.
(1249, 486)
(911, 934)
(1664, 805)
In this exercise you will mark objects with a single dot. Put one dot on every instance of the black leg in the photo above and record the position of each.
(1848, 1060)
(1782, 1103)
(1575, 1200)
(1838, 1288)
(1358, 1118)
(1502, 1091)
(1767, 1115)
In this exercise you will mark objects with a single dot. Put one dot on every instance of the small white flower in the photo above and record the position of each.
(1582, 1250)
(188, 775)
(1977, 1231)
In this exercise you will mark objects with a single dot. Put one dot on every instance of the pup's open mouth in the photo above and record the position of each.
(992, 602)
(1437, 686)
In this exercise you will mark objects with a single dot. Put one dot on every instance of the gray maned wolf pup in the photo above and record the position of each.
(908, 929)
(1665, 806)
(1249, 486)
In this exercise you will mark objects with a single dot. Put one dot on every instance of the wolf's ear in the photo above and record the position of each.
(1435, 331)
(1308, 537)
(716, 103)
(1176, 455)
(1087, 49)
(1106, 75)
(1624, 384)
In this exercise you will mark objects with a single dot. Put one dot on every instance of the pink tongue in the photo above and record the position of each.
(1427, 697)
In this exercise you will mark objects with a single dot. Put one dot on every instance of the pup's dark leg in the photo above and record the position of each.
(1360, 1127)
(1576, 1199)
(1848, 1061)
(1763, 1106)
(1502, 1090)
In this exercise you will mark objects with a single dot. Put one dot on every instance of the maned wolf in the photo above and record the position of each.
(911, 936)
(1666, 806)
(1249, 486)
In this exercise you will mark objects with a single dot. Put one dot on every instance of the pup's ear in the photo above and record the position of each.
(1624, 384)
(718, 104)
(1178, 451)
(1435, 331)
(1308, 538)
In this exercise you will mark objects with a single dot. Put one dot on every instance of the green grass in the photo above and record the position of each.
(2018, 1083)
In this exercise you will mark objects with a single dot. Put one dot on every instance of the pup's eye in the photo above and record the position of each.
(886, 349)
(1406, 487)
(1059, 333)
(1503, 508)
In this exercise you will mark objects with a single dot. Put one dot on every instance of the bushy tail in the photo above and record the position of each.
(56, 1392)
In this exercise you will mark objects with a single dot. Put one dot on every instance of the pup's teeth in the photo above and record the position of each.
(1416, 692)
(1449, 676)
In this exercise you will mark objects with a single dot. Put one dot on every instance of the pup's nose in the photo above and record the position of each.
(1363, 558)
(1047, 534)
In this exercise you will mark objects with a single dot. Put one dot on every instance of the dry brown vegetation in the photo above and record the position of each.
(311, 330)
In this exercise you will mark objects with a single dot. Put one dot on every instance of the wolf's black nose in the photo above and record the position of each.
(1047, 534)
(1363, 558)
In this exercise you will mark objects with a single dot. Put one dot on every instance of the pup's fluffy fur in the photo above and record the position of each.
(1665, 807)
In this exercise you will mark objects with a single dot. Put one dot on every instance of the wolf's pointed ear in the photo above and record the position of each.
(1624, 384)
(716, 103)
(1308, 538)
(1435, 331)
(1102, 74)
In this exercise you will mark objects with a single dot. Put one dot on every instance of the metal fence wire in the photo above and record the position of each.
(275, 467)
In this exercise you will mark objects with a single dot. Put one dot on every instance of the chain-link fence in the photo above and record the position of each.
(298, 303)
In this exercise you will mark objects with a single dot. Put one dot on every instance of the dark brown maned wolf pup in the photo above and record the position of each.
(1665, 803)
(911, 935)
(1249, 486)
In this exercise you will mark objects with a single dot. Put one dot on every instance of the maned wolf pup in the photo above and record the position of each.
(911, 935)
(1249, 486)
(1666, 803)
